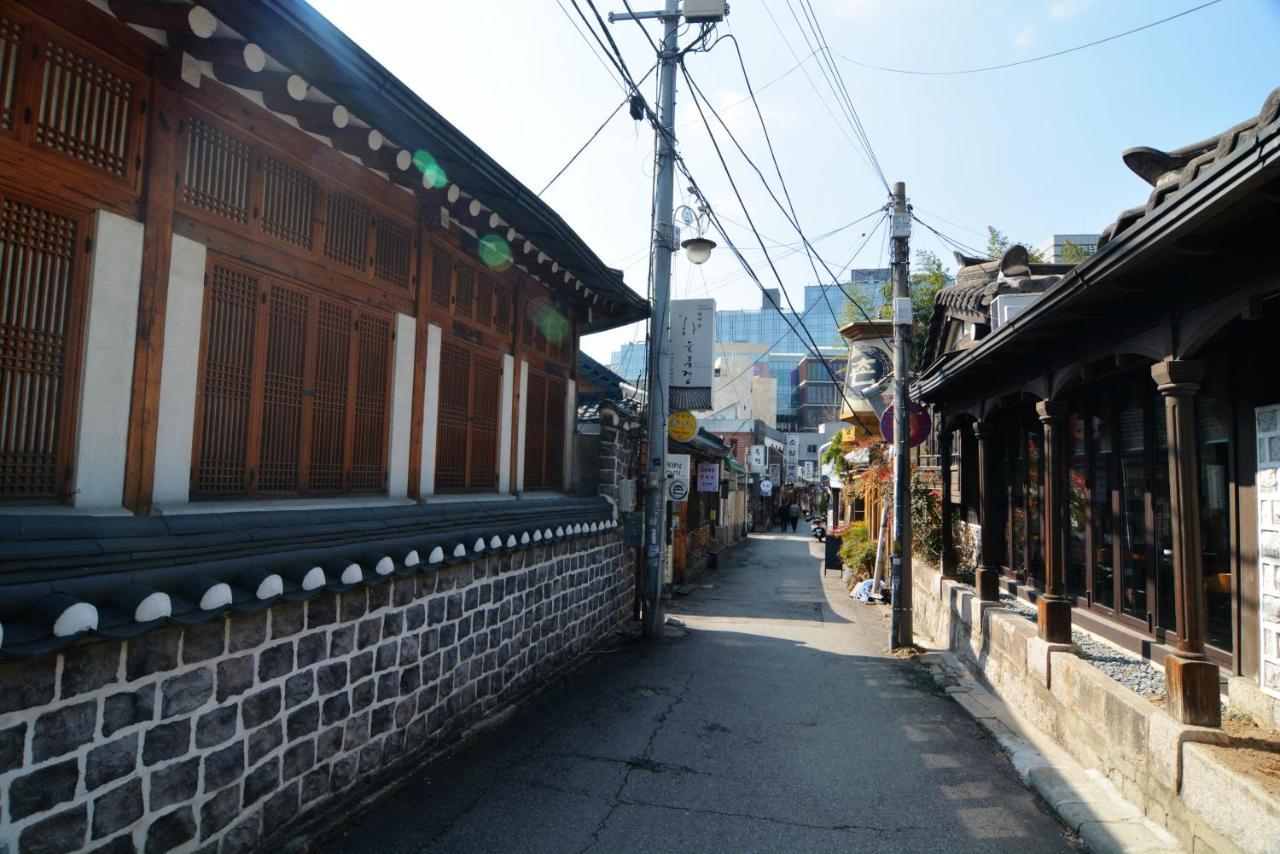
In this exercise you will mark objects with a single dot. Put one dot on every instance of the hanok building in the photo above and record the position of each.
(1114, 423)
(282, 352)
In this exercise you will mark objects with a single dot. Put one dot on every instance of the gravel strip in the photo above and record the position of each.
(1132, 671)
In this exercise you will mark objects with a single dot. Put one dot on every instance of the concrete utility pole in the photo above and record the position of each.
(900, 627)
(664, 244)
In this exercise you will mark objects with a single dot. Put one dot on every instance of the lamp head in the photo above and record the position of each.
(698, 249)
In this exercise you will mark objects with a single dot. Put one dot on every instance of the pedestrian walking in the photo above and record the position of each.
(795, 515)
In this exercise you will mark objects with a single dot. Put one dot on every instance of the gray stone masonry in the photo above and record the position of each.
(212, 737)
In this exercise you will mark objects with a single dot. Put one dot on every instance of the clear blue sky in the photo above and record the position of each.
(1033, 149)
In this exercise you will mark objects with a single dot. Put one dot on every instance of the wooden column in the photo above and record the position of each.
(988, 571)
(947, 559)
(1192, 680)
(1054, 607)
(163, 143)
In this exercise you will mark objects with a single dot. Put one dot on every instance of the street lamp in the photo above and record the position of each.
(698, 249)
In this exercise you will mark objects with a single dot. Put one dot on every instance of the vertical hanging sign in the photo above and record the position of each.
(1268, 484)
(693, 335)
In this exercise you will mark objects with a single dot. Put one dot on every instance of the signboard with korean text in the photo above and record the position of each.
(808, 469)
(708, 477)
(756, 459)
(693, 335)
(773, 472)
(793, 449)
(679, 470)
(1268, 489)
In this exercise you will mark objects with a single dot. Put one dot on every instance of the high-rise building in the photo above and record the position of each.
(629, 362)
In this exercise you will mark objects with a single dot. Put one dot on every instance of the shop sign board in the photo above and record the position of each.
(708, 477)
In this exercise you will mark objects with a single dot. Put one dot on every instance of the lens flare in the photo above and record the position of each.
(431, 170)
(553, 325)
(495, 252)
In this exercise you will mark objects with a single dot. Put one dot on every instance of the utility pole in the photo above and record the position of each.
(900, 628)
(655, 515)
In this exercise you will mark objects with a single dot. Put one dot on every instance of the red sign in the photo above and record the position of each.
(917, 418)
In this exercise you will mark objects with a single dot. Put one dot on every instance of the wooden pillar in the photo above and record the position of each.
(160, 189)
(1054, 607)
(1192, 680)
(988, 571)
(947, 558)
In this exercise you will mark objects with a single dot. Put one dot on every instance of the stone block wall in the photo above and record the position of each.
(1104, 726)
(213, 737)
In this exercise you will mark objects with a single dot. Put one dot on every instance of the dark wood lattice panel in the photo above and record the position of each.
(84, 110)
(502, 308)
(441, 278)
(329, 405)
(369, 454)
(553, 474)
(38, 292)
(464, 285)
(451, 429)
(484, 300)
(282, 390)
(535, 433)
(288, 203)
(217, 172)
(486, 391)
(230, 322)
(10, 47)
(346, 233)
(393, 253)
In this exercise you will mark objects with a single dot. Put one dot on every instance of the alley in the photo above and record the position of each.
(774, 721)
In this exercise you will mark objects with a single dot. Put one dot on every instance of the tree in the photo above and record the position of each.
(998, 243)
(1073, 253)
(928, 276)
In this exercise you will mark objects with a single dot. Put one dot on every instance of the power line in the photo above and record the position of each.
(1056, 53)
(590, 47)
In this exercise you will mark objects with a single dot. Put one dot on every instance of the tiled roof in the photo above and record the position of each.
(117, 577)
(1169, 171)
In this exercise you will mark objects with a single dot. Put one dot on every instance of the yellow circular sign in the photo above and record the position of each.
(682, 426)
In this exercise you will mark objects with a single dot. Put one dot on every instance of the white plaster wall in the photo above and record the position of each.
(107, 378)
(178, 372)
(521, 424)
(430, 412)
(570, 425)
(504, 424)
(401, 406)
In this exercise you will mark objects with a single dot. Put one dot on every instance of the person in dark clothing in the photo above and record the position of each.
(794, 512)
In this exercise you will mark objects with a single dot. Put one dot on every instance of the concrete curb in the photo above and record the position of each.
(1084, 799)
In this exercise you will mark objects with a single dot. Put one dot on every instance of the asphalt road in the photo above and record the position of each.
(773, 721)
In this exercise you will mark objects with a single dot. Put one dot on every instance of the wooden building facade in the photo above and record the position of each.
(1108, 424)
(227, 277)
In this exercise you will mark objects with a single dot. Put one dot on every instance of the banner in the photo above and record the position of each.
(693, 335)
(679, 468)
(756, 459)
(793, 449)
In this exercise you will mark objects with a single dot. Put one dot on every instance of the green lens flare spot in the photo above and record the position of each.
(431, 170)
(495, 252)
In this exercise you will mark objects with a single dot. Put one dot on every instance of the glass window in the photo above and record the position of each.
(1103, 570)
(1213, 419)
(1017, 535)
(1163, 518)
(1077, 498)
(1133, 497)
(1034, 442)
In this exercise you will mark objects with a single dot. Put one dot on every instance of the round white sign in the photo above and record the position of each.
(677, 490)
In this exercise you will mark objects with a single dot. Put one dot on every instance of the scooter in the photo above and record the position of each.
(818, 528)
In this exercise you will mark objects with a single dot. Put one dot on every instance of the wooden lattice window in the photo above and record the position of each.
(332, 385)
(217, 172)
(502, 309)
(464, 281)
(288, 203)
(280, 451)
(467, 428)
(369, 463)
(441, 278)
(41, 302)
(10, 48)
(484, 300)
(393, 253)
(229, 342)
(544, 432)
(346, 232)
(294, 390)
(85, 110)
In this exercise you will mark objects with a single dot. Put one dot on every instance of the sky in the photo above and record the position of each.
(1033, 150)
